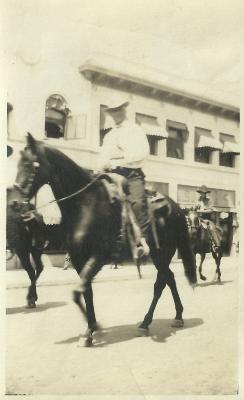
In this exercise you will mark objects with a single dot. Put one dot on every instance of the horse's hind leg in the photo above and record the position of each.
(217, 258)
(159, 286)
(24, 257)
(178, 321)
(202, 277)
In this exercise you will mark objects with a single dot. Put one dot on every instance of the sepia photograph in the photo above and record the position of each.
(122, 198)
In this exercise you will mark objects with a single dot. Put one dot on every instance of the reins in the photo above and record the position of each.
(66, 197)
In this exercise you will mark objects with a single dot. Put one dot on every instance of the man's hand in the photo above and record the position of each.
(107, 167)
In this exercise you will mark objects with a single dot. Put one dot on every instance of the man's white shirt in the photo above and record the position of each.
(126, 145)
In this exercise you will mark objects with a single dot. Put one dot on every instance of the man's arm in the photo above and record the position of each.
(109, 151)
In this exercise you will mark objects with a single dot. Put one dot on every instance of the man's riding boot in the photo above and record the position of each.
(142, 249)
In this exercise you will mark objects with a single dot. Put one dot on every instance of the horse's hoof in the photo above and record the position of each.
(177, 323)
(31, 304)
(141, 332)
(88, 341)
(85, 342)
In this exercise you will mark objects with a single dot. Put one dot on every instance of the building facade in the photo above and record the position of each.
(193, 137)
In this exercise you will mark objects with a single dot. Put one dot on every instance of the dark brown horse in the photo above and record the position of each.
(92, 225)
(202, 244)
(21, 239)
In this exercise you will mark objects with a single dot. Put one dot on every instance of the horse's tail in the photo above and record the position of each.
(184, 247)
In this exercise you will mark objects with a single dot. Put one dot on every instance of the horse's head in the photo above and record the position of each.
(33, 168)
(193, 221)
(17, 203)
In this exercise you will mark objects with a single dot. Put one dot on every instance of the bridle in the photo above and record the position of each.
(30, 180)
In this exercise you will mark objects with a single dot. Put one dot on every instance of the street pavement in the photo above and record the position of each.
(43, 358)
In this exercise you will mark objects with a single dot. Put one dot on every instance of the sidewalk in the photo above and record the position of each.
(54, 276)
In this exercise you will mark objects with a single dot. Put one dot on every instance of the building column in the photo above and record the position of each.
(215, 158)
(190, 144)
(173, 190)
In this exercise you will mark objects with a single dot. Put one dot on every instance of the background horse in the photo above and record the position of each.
(21, 240)
(92, 225)
(202, 244)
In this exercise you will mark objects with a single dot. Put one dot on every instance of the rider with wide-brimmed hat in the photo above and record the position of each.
(124, 150)
(204, 208)
(204, 204)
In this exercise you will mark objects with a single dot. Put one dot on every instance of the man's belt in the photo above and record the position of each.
(129, 172)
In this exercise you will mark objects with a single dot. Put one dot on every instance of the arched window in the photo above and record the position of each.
(56, 116)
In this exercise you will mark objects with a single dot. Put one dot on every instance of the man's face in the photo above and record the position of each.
(118, 115)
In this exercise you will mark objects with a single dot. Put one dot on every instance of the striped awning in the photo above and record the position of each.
(204, 139)
(151, 126)
(108, 123)
(231, 147)
(178, 126)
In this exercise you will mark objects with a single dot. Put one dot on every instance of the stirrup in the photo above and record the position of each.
(143, 249)
(140, 252)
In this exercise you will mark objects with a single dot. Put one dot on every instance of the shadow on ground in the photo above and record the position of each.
(212, 283)
(160, 331)
(39, 308)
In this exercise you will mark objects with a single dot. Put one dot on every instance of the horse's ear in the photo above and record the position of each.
(31, 142)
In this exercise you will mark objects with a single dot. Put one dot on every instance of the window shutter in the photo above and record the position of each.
(75, 127)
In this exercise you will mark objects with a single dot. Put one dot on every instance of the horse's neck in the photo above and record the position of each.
(194, 221)
(66, 179)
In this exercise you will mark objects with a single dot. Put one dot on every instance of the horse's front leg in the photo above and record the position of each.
(36, 254)
(24, 257)
(85, 289)
(159, 286)
(202, 277)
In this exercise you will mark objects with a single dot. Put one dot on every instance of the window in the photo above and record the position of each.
(177, 134)
(153, 145)
(160, 187)
(55, 116)
(202, 155)
(229, 151)
(153, 131)
(205, 144)
(226, 159)
(175, 145)
(105, 123)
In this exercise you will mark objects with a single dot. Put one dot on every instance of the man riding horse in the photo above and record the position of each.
(124, 149)
(204, 208)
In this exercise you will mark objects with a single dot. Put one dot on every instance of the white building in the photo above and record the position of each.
(193, 132)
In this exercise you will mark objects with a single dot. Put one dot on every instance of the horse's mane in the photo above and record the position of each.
(68, 166)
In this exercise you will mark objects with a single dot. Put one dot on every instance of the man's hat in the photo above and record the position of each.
(114, 106)
(203, 189)
(9, 150)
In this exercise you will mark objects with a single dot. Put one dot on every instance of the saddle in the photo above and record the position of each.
(118, 190)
